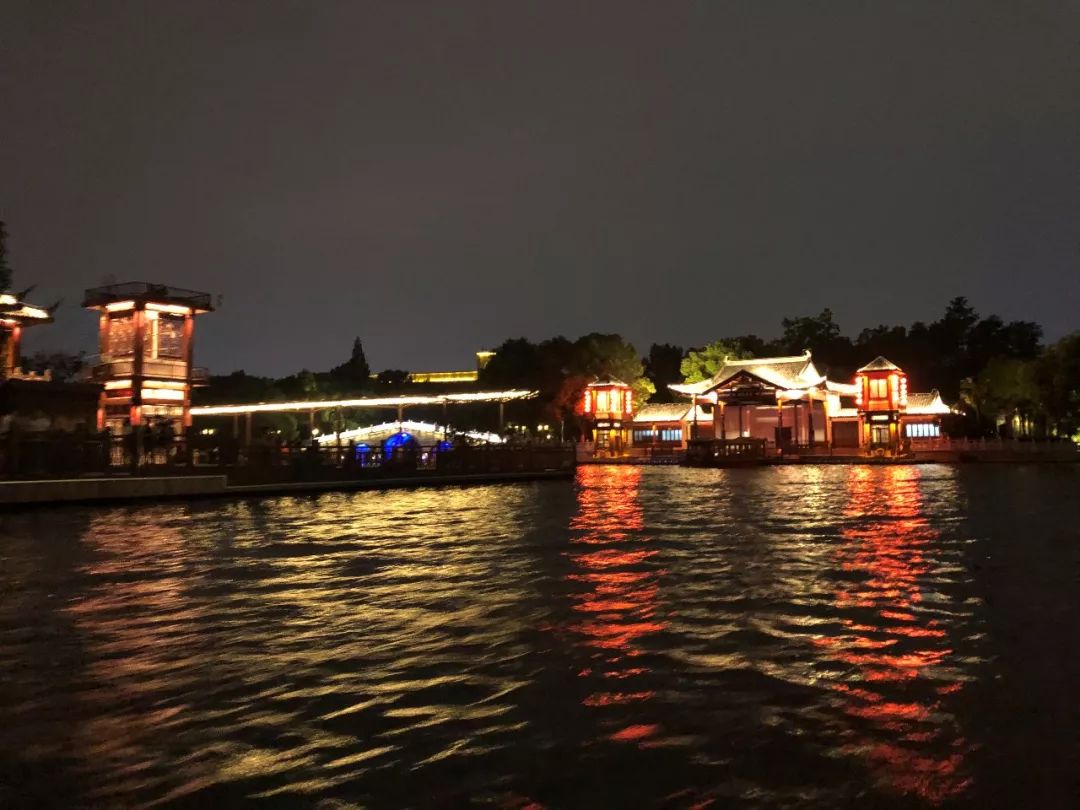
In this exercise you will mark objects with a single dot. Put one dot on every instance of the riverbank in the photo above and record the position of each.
(936, 457)
(49, 492)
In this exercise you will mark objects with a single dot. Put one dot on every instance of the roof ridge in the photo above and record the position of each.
(793, 358)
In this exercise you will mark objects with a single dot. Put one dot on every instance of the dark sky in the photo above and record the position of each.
(435, 177)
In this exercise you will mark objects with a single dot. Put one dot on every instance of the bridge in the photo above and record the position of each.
(311, 407)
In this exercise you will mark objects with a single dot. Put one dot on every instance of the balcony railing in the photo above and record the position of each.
(119, 369)
(144, 291)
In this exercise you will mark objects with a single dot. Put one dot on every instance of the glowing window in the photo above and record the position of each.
(121, 338)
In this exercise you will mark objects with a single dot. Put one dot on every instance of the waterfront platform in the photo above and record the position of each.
(760, 454)
(158, 487)
(44, 473)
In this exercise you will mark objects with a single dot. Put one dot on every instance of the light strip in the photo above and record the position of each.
(112, 385)
(175, 309)
(178, 386)
(162, 393)
(364, 402)
(120, 306)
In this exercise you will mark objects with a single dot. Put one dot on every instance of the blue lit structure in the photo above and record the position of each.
(401, 440)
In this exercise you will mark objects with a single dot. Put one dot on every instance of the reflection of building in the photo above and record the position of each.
(617, 605)
(147, 343)
(16, 315)
(896, 649)
(608, 405)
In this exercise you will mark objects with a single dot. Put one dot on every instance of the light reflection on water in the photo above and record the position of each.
(646, 636)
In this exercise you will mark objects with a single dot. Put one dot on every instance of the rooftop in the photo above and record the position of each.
(14, 310)
(879, 363)
(143, 291)
(789, 372)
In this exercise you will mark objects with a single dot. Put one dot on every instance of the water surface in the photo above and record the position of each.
(790, 637)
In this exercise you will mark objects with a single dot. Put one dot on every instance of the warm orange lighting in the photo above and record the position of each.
(174, 309)
(120, 306)
(588, 401)
(113, 385)
(162, 394)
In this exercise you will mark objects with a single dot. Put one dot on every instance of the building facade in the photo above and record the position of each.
(146, 339)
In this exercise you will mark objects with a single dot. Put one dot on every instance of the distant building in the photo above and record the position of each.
(784, 402)
(443, 377)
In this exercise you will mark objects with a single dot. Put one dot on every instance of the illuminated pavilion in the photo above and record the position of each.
(789, 404)
(16, 315)
(146, 364)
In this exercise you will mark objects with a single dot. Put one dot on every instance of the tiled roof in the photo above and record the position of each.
(783, 372)
(669, 412)
(879, 363)
(926, 404)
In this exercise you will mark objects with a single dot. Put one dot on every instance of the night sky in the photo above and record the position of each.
(436, 177)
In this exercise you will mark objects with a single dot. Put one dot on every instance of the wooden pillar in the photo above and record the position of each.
(693, 414)
(188, 351)
(723, 418)
(138, 317)
(400, 411)
(741, 409)
(236, 426)
(247, 428)
(810, 422)
(501, 415)
(311, 422)
(779, 423)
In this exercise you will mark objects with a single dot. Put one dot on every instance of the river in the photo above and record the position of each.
(784, 637)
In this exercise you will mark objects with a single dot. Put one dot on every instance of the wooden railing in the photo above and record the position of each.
(64, 455)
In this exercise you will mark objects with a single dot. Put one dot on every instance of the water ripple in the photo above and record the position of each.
(661, 637)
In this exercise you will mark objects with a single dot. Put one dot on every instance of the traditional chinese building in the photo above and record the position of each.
(146, 338)
(788, 404)
(669, 425)
(16, 315)
(608, 406)
(782, 400)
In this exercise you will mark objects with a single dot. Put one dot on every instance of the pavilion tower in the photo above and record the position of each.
(881, 397)
(146, 345)
(16, 315)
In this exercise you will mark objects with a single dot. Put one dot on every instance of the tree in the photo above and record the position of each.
(663, 366)
(516, 363)
(392, 377)
(354, 371)
(5, 269)
(702, 364)
(64, 366)
(1005, 392)
(1057, 374)
(820, 334)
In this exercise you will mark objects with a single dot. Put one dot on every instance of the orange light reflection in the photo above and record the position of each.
(619, 604)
